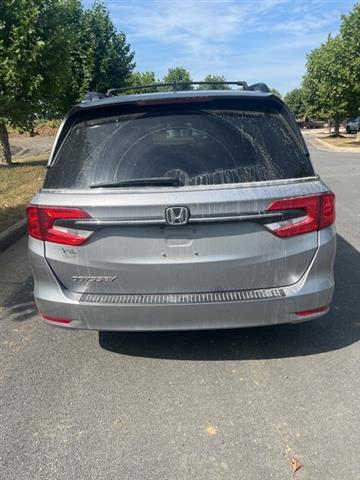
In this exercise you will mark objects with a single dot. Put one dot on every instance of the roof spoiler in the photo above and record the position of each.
(259, 87)
(93, 96)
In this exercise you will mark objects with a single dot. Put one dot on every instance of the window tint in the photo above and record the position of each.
(201, 146)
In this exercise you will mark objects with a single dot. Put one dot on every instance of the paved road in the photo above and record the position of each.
(213, 405)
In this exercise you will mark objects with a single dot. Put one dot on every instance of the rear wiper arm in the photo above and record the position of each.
(135, 182)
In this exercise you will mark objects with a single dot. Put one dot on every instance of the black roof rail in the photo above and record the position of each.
(175, 86)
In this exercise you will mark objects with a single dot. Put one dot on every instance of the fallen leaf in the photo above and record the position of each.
(211, 430)
(295, 464)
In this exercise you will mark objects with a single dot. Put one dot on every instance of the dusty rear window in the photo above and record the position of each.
(200, 146)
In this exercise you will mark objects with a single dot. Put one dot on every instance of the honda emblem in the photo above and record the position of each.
(177, 215)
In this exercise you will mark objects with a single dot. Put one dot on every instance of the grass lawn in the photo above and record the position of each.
(17, 186)
(341, 141)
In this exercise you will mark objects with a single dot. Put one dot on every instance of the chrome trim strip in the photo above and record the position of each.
(108, 222)
(183, 298)
(161, 221)
(232, 218)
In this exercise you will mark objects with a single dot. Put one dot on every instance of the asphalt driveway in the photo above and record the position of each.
(201, 405)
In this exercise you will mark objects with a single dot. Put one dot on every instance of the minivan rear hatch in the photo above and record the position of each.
(134, 168)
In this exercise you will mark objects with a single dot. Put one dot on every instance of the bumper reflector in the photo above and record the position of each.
(304, 313)
(55, 319)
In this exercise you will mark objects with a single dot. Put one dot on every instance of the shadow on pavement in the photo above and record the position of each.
(338, 329)
(21, 306)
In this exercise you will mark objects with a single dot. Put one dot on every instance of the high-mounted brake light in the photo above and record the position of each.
(318, 213)
(171, 101)
(42, 224)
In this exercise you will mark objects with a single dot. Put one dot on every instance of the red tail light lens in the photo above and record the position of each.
(41, 224)
(33, 222)
(319, 212)
(56, 319)
(327, 210)
(305, 313)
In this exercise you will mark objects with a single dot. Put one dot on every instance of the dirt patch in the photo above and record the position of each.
(48, 129)
(341, 141)
(40, 143)
(323, 140)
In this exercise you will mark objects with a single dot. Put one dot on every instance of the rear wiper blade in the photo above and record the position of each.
(135, 182)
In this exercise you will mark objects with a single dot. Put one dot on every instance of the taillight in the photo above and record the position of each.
(42, 224)
(327, 210)
(318, 212)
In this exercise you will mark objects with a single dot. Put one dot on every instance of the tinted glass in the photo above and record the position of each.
(201, 146)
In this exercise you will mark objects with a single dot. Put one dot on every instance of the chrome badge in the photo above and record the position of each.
(177, 215)
(90, 278)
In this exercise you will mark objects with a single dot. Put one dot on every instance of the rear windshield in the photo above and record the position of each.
(200, 146)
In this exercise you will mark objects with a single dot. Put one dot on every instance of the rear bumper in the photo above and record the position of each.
(313, 290)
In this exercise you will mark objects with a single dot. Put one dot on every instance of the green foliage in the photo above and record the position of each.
(326, 84)
(179, 75)
(34, 52)
(295, 101)
(276, 92)
(331, 86)
(350, 34)
(142, 79)
(52, 53)
(100, 56)
(214, 78)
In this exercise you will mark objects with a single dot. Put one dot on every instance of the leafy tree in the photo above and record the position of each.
(178, 75)
(332, 82)
(142, 79)
(276, 92)
(295, 101)
(100, 56)
(214, 78)
(34, 67)
(326, 83)
(350, 35)
(52, 53)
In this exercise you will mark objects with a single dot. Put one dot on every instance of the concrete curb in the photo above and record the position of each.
(12, 234)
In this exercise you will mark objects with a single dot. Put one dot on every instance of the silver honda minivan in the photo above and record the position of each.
(181, 210)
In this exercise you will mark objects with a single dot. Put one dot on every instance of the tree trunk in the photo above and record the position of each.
(5, 154)
(357, 138)
(336, 128)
